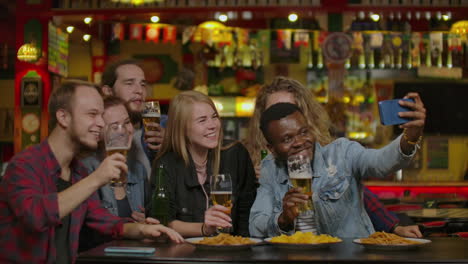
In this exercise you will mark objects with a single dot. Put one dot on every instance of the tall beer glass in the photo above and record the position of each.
(151, 114)
(221, 193)
(300, 174)
(118, 140)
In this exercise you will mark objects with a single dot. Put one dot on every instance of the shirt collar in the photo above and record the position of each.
(77, 169)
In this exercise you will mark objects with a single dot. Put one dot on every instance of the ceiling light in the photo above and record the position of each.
(292, 17)
(375, 17)
(70, 29)
(155, 19)
(223, 18)
(88, 20)
(86, 37)
(447, 17)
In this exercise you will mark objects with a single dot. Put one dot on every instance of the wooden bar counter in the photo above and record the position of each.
(441, 250)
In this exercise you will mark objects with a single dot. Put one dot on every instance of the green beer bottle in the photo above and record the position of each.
(263, 154)
(160, 200)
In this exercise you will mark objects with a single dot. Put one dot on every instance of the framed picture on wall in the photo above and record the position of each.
(31, 92)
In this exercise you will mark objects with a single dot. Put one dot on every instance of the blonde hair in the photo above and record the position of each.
(176, 139)
(315, 114)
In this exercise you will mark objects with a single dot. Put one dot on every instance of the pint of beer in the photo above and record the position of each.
(150, 117)
(300, 174)
(223, 198)
(118, 140)
(123, 176)
(151, 114)
(221, 193)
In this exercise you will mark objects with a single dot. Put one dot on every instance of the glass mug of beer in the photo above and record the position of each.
(300, 174)
(117, 140)
(221, 193)
(151, 114)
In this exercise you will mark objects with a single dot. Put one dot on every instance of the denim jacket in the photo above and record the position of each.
(338, 169)
(136, 186)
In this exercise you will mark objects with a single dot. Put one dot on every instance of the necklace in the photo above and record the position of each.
(201, 164)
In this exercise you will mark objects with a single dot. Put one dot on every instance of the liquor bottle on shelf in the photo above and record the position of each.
(160, 199)
(310, 59)
(405, 51)
(428, 56)
(319, 58)
(387, 53)
(415, 52)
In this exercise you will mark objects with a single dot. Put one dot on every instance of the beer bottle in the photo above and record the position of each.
(160, 200)
(263, 154)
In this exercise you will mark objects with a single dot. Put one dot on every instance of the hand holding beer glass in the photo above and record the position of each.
(300, 174)
(117, 140)
(221, 194)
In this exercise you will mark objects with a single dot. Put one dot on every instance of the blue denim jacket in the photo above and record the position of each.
(136, 185)
(338, 169)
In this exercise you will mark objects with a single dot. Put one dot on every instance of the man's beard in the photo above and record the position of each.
(82, 149)
(135, 116)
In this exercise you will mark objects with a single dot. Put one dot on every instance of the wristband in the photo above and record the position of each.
(203, 230)
(417, 142)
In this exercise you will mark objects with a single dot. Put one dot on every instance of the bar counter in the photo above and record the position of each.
(441, 250)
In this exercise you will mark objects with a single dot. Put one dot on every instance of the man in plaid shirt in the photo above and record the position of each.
(46, 195)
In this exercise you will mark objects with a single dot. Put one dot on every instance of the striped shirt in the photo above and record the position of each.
(305, 222)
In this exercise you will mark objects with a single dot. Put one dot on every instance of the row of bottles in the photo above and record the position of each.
(400, 51)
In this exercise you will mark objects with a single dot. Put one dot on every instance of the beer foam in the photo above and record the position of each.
(116, 148)
(151, 114)
(300, 175)
(221, 192)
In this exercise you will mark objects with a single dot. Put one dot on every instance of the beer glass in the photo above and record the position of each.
(151, 114)
(117, 140)
(221, 193)
(300, 174)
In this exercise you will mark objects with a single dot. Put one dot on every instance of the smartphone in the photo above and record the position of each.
(130, 250)
(389, 110)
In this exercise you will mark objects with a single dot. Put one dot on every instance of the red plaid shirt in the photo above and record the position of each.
(29, 209)
(382, 219)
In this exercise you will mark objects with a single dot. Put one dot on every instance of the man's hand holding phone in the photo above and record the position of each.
(409, 113)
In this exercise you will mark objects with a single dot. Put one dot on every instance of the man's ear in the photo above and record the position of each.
(107, 90)
(63, 118)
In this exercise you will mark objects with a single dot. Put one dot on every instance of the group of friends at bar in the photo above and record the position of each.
(56, 197)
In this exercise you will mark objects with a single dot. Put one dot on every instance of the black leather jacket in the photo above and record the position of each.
(187, 200)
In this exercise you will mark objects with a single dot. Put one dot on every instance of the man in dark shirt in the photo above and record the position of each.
(46, 195)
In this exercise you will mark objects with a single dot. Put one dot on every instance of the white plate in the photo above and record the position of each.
(194, 241)
(300, 246)
(422, 242)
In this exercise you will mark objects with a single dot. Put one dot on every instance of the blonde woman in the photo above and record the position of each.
(285, 90)
(191, 152)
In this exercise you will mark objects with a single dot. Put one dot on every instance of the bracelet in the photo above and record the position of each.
(417, 142)
(203, 230)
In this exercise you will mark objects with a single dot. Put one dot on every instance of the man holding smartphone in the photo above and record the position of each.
(338, 169)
